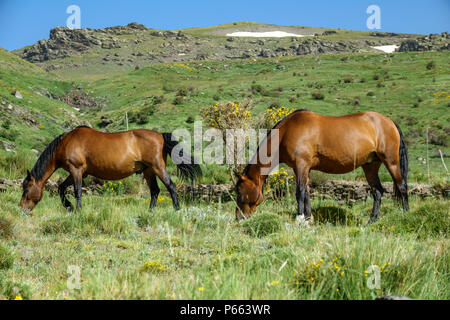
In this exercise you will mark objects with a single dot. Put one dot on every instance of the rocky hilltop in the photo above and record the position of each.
(433, 42)
(65, 42)
(135, 45)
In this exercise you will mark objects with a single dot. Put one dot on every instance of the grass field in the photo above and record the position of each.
(200, 252)
(399, 85)
(123, 251)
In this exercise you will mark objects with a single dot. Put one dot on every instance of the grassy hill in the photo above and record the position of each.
(397, 85)
(411, 88)
(201, 252)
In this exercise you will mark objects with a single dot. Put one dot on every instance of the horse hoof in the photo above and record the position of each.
(301, 220)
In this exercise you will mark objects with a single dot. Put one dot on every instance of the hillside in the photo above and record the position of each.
(115, 248)
(94, 53)
(92, 84)
(31, 114)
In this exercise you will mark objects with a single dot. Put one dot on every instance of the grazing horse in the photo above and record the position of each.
(309, 141)
(109, 156)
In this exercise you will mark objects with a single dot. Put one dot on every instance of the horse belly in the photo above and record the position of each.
(344, 162)
(113, 166)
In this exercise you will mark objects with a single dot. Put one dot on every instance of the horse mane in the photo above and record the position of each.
(41, 164)
(268, 133)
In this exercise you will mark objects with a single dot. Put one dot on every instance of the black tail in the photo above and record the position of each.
(403, 156)
(187, 169)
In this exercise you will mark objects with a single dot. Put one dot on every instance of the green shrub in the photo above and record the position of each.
(318, 95)
(178, 100)
(431, 65)
(6, 258)
(182, 92)
(262, 224)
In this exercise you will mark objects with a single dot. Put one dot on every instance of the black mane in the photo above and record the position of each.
(41, 164)
(244, 173)
(39, 168)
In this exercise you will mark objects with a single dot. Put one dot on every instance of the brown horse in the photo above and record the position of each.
(308, 141)
(110, 156)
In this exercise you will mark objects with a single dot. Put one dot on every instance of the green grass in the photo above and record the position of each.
(402, 81)
(201, 252)
(398, 85)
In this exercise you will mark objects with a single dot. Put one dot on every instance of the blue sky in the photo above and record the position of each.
(23, 22)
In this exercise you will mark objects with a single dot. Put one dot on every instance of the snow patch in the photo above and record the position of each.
(388, 49)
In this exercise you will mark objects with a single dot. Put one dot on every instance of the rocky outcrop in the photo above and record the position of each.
(65, 42)
(311, 46)
(433, 42)
(80, 100)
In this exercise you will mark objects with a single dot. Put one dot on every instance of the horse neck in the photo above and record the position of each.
(259, 171)
(49, 170)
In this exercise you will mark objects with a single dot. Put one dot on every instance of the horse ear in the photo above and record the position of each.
(29, 176)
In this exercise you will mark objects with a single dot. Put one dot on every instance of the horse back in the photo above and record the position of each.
(337, 143)
(122, 152)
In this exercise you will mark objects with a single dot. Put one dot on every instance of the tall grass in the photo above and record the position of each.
(125, 251)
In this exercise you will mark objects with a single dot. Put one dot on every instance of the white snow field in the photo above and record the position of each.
(388, 49)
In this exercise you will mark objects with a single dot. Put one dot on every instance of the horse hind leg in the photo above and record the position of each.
(77, 175)
(150, 177)
(400, 187)
(302, 194)
(371, 173)
(162, 174)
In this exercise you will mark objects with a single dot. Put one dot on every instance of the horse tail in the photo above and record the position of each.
(403, 157)
(186, 167)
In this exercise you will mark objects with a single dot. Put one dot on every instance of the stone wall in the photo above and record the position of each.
(340, 190)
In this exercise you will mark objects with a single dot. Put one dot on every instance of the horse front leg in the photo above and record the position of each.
(62, 192)
(77, 174)
(153, 186)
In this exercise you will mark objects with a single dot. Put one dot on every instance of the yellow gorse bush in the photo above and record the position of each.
(182, 65)
(440, 97)
(110, 187)
(153, 266)
(278, 183)
(231, 115)
(273, 115)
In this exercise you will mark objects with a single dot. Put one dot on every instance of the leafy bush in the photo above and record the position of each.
(178, 100)
(182, 92)
(263, 224)
(431, 65)
(190, 119)
(112, 188)
(141, 116)
(318, 95)
(278, 183)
